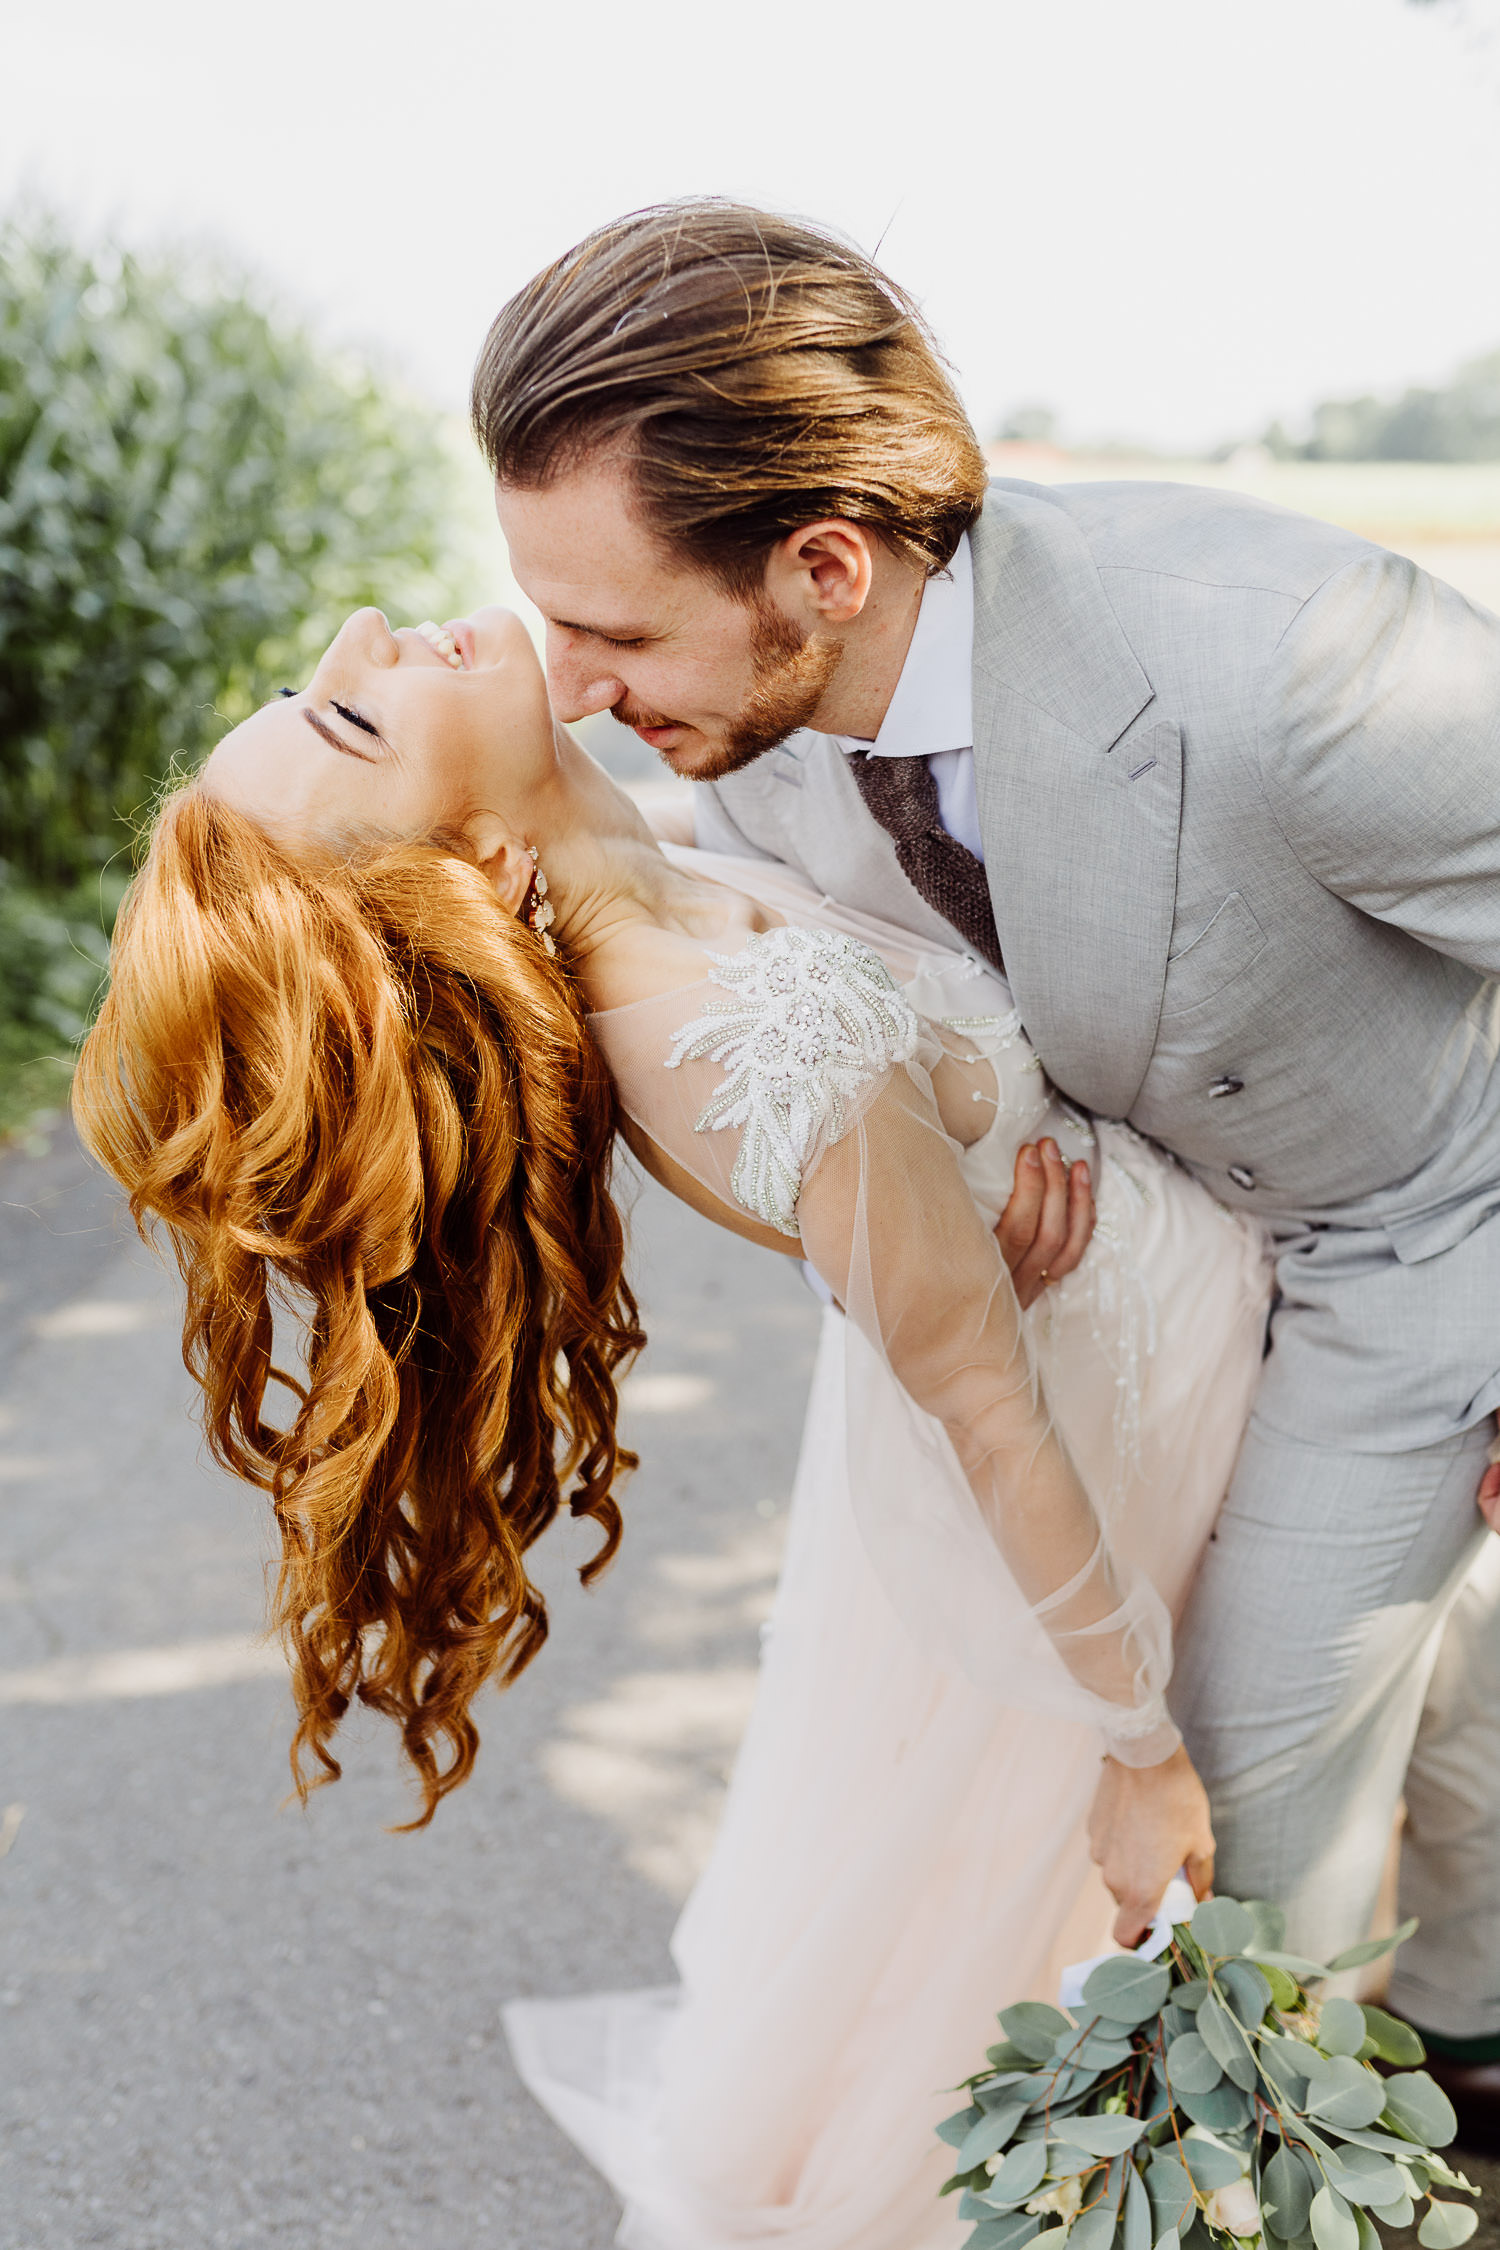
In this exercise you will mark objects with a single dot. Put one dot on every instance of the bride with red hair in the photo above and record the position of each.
(399, 966)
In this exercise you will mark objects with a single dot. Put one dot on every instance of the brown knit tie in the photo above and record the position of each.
(903, 797)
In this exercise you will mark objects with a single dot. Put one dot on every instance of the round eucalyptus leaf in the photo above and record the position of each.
(1170, 2188)
(1289, 2064)
(1355, 1956)
(988, 2137)
(1226, 2043)
(1211, 2166)
(1348, 2093)
(1032, 2026)
(1268, 1923)
(1395, 2041)
(1286, 2194)
(1445, 2225)
(991, 2092)
(1008, 2233)
(1379, 2185)
(1136, 2223)
(1296, 1964)
(1420, 2107)
(1093, 2230)
(1332, 2222)
(1221, 1925)
(1191, 1994)
(1247, 1989)
(1126, 1989)
(1284, 1990)
(1365, 2137)
(1105, 2135)
(1104, 2054)
(1020, 2175)
(1191, 2066)
(1341, 2028)
(956, 2129)
(1358, 2151)
(1222, 2109)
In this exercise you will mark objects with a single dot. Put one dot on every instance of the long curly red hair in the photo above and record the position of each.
(359, 1091)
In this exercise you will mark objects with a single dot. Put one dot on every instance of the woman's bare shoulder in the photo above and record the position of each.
(643, 963)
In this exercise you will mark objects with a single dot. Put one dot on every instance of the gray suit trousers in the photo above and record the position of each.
(1448, 1975)
(1303, 1663)
(1318, 1623)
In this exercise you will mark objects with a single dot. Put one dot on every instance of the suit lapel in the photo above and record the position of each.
(1079, 781)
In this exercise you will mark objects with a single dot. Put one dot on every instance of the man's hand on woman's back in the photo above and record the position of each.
(1045, 1227)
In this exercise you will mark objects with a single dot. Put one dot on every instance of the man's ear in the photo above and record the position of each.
(501, 858)
(823, 572)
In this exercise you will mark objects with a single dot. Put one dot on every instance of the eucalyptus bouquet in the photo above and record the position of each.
(1205, 2096)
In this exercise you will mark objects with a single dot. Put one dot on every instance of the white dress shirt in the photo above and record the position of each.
(931, 714)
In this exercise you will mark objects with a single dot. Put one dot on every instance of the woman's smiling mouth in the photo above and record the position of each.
(443, 641)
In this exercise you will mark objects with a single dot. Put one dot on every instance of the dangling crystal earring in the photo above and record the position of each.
(536, 908)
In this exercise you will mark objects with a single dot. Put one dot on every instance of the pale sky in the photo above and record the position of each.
(1166, 218)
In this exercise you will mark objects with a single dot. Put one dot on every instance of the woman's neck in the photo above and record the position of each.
(608, 880)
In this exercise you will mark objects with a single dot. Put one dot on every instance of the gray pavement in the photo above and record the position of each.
(224, 2021)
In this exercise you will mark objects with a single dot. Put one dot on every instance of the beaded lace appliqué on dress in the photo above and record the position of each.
(811, 1019)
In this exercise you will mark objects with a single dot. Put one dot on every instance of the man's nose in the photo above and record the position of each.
(577, 685)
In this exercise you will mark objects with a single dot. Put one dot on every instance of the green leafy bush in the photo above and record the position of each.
(53, 950)
(192, 495)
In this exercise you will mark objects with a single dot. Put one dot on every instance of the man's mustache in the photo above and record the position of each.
(635, 715)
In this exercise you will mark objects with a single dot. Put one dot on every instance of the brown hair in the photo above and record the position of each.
(762, 372)
(361, 1091)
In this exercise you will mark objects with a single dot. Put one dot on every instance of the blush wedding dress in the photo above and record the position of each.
(965, 1616)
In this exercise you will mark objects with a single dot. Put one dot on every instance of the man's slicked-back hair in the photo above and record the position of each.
(759, 374)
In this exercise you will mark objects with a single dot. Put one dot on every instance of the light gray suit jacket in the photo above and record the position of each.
(1239, 783)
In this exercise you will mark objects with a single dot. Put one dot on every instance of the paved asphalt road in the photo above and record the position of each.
(224, 2021)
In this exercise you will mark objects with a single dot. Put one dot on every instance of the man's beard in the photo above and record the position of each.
(791, 671)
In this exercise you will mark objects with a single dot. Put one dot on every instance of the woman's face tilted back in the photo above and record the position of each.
(390, 739)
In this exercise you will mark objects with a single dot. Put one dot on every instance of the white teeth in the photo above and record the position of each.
(442, 642)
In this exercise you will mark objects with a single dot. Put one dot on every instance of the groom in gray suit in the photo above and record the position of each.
(1220, 787)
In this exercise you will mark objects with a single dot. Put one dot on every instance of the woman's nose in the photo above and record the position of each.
(364, 635)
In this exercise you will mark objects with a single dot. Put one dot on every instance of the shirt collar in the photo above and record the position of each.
(933, 706)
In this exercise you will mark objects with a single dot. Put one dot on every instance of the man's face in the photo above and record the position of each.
(709, 681)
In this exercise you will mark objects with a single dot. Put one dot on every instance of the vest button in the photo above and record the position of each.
(1225, 1085)
(1241, 1177)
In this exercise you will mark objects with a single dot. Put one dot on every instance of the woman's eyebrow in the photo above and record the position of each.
(335, 741)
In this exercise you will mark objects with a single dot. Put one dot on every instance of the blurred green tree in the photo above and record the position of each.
(1458, 423)
(192, 495)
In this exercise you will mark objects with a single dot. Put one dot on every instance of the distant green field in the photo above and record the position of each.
(1446, 517)
(1392, 501)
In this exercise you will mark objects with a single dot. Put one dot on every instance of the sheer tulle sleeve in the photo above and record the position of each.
(796, 1086)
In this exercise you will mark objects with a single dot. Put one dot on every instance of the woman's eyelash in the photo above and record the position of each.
(354, 718)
